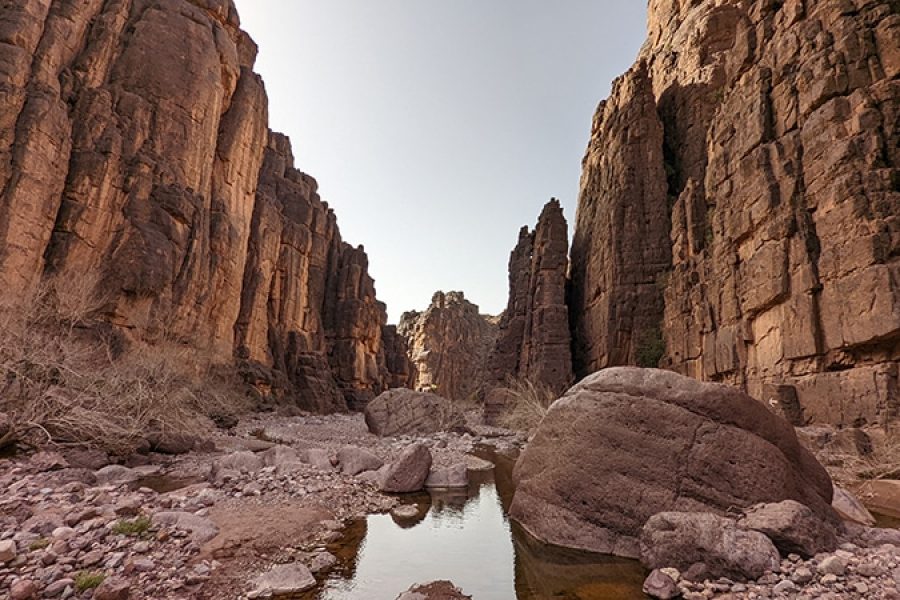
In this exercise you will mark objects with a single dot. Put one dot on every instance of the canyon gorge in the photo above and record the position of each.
(716, 337)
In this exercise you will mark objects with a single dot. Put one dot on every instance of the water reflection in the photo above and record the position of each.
(465, 536)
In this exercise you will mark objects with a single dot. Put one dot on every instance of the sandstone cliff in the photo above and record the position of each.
(448, 345)
(738, 218)
(135, 151)
(534, 342)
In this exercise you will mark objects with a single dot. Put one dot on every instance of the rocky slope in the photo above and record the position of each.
(135, 157)
(448, 345)
(738, 217)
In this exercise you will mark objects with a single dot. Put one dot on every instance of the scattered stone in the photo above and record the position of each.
(7, 551)
(850, 508)
(784, 588)
(792, 527)
(282, 580)
(355, 460)
(438, 590)
(832, 565)
(405, 412)
(320, 459)
(116, 474)
(113, 588)
(684, 540)
(240, 462)
(24, 589)
(659, 585)
(409, 472)
(58, 587)
(201, 529)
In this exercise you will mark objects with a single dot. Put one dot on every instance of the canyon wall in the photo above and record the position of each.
(534, 342)
(739, 216)
(448, 345)
(135, 157)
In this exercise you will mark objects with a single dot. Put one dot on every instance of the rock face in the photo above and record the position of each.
(738, 212)
(534, 341)
(135, 159)
(686, 540)
(448, 345)
(628, 443)
(405, 412)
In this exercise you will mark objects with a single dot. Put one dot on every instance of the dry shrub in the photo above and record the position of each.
(527, 404)
(66, 379)
(849, 469)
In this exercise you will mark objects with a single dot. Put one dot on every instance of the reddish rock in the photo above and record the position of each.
(534, 341)
(628, 443)
(738, 211)
(448, 345)
(135, 159)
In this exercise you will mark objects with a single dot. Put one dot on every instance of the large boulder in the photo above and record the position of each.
(793, 528)
(706, 546)
(283, 580)
(355, 460)
(404, 412)
(628, 443)
(436, 590)
(409, 472)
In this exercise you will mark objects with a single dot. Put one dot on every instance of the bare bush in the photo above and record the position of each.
(61, 381)
(850, 469)
(527, 404)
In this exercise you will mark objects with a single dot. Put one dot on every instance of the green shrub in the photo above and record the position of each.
(87, 580)
(651, 348)
(135, 528)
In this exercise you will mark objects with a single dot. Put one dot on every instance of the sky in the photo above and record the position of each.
(437, 129)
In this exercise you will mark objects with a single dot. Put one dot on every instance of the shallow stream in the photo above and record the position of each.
(464, 536)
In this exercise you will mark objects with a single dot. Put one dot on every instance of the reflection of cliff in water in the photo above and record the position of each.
(464, 536)
(550, 573)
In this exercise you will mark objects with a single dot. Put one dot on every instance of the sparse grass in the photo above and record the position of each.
(88, 580)
(134, 528)
(39, 544)
(527, 404)
(651, 348)
(69, 379)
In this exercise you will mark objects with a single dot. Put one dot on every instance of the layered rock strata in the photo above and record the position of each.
(448, 345)
(738, 218)
(135, 159)
(534, 342)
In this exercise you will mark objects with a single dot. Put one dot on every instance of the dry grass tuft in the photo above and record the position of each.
(527, 404)
(849, 469)
(66, 379)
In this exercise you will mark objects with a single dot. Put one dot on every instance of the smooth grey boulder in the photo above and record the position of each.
(354, 461)
(283, 580)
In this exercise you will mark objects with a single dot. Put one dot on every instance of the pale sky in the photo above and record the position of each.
(436, 129)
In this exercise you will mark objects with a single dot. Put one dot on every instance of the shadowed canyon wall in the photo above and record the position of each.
(135, 152)
(739, 216)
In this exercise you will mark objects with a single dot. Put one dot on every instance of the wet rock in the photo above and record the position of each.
(792, 527)
(355, 460)
(280, 455)
(685, 540)
(322, 561)
(409, 472)
(438, 590)
(404, 412)
(669, 443)
(282, 580)
(405, 511)
(113, 588)
(850, 508)
(659, 585)
(240, 462)
(455, 476)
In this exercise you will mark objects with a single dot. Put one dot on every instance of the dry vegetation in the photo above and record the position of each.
(527, 404)
(850, 469)
(66, 379)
